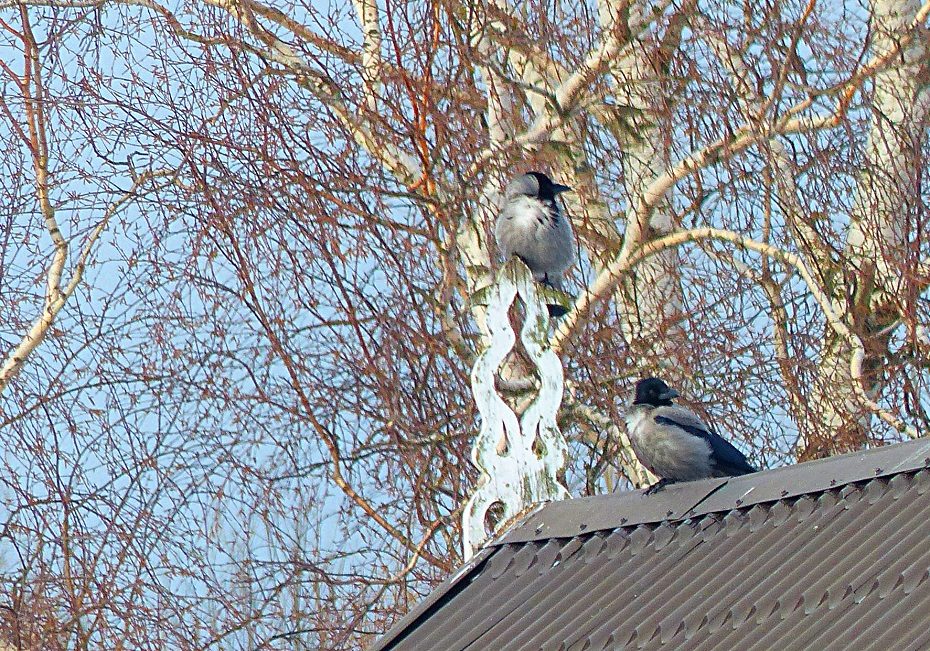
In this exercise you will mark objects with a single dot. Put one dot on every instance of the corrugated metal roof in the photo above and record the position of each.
(831, 554)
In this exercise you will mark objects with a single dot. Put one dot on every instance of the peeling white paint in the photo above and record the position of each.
(512, 473)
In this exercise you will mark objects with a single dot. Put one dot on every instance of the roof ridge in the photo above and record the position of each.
(687, 500)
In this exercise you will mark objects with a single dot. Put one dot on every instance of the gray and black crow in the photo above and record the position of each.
(673, 442)
(531, 226)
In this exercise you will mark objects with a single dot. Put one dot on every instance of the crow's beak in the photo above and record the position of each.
(558, 188)
(668, 395)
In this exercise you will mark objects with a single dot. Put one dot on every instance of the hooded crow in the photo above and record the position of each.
(673, 442)
(531, 225)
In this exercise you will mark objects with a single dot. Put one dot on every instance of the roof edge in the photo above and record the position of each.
(573, 517)
(407, 622)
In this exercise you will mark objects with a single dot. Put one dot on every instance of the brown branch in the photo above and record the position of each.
(308, 410)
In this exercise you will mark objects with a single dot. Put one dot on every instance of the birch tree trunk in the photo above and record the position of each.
(651, 299)
(878, 281)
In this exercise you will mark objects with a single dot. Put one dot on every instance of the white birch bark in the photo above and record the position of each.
(651, 298)
(876, 251)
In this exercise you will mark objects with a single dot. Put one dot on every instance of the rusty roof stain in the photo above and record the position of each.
(830, 554)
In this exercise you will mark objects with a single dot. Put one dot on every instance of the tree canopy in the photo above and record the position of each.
(240, 241)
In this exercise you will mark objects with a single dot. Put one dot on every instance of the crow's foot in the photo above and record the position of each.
(659, 485)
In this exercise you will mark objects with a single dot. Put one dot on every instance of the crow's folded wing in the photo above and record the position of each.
(725, 457)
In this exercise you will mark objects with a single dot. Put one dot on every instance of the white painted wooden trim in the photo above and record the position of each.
(520, 459)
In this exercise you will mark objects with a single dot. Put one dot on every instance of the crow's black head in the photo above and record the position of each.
(653, 391)
(535, 184)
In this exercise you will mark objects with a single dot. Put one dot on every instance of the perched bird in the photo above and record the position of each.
(673, 442)
(532, 227)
